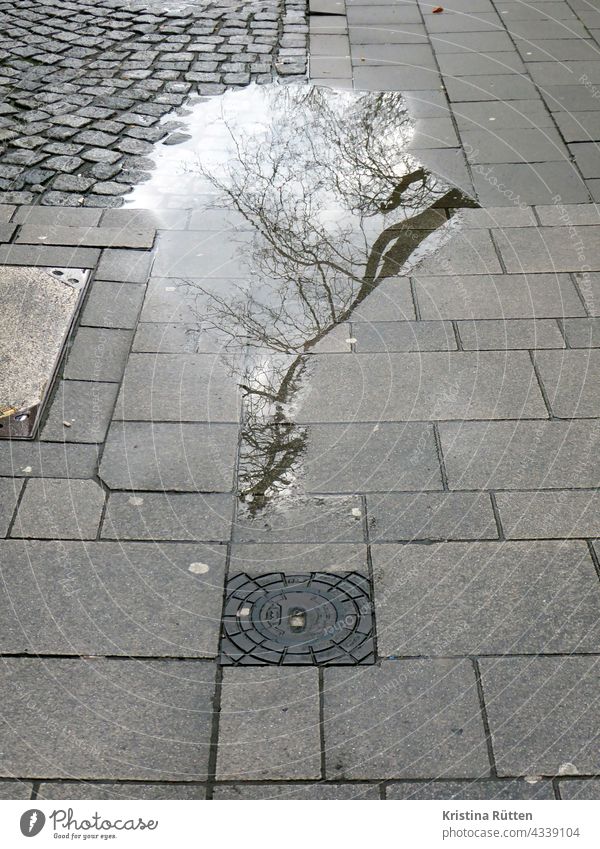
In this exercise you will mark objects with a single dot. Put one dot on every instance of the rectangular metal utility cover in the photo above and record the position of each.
(37, 309)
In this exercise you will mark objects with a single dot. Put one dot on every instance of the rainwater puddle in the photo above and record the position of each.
(304, 201)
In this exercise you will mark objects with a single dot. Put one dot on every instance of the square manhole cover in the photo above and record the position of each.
(319, 618)
(38, 308)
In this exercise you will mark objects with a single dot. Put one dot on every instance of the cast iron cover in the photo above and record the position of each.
(318, 618)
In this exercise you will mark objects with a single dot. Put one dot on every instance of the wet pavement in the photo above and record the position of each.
(327, 363)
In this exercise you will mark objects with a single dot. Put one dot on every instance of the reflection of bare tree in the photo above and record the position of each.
(336, 205)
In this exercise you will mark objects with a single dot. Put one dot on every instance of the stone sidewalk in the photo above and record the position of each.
(451, 454)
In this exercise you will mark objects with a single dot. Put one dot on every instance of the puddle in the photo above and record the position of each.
(305, 200)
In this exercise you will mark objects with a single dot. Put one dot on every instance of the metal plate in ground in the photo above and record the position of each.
(37, 309)
(318, 618)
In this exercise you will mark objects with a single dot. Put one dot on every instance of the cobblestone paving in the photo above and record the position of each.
(83, 85)
(452, 439)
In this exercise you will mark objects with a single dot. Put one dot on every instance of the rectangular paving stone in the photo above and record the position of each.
(521, 454)
(565, 73)
(91, 237)
(497, 296)
(261, 558)
(570, 379)
(542, 714)
(468, 252)
(94, 598)
(86, 408)
(404, 719)
(48, 460)
(461, 385)
(306, 519)
(430, 515)
(123, 718)
(59, 509)
(550, 249)
(382, 13)
(550, 515)
(472, 64)
(367, 458)
(578, 127)
(394, 78)
(434, 133)
(567, 214)
(458, 42)
(170, 219)
(481, 790)
(588, 283)
(168, 456)
(390, 301)
(111, 304)
(404, 336)
(168, 516)
(511, 113)
(582, 332)
(506, 86)
(118, 790)
(520, 333)
(124, 266)
(460, 598)
(579, 788)
(178, 387)
(292, 791)
(98, 354)
(451, 22)
(512, 183)
(154, 337)
(542, 29)
(498, 216)
(419, 55)
(42, 255)
(15, 789)
(572, 98)
(63, 216)
(521, 144)
(269, 724)
(534, 50)
(198, 254)
(10, 490)
(390, 34)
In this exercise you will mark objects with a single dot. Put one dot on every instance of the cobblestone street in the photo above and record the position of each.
(348, 337)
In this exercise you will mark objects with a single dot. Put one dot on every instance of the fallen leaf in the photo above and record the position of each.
(437, 10)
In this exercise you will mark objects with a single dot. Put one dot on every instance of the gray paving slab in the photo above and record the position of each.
(500, 297)
(15, 789)
(587, 157)
(508, 114)
(521, 454)
(451, 22)
(579, 788)
(371, 457)
(403, 719)
(391, 301)
(506, 86)
(472, 64)
(430, 516)
(258, 559)
(468, 598)
(98, 598)
(269, 724)
(578, 126)
(113, 304)
(42, 255)
(542, 714)
(169, 456)
(59, 509)
(550, 249)
(480, 790)
(322, 519)
(92, 237)
(572, 98)
(323, 67)
(457, 42)
(570, 379)
(98, 354)
(10, 489)
(168, 516)
(170, 219)
(589, 286)
(468, 251)
(416, 55)
(178, 388)
(568, 214)
(328, 45)
(48, 460)
(556, 11)
(394, 77)
(499, 184)
(291, 791)
(549, 515)
(123, 718)
(382, 14)
(451, 164)
(521, 144)
(582, 332)
(124, 266)
(197, 253)
(564, 72)
(43, 216)
(390, 34)
(434, 133)
(426, 103)
(86, 408)
(544, 29)
(534, 50)
(118, 790)
(498, 334)
(171, 338)
(498, 216)
(398, 336)
(407, 387)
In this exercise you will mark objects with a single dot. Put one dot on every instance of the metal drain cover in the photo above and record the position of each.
(39, 306)
(319, 618)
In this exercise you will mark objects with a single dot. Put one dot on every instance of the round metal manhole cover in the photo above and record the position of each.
(318, 618)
